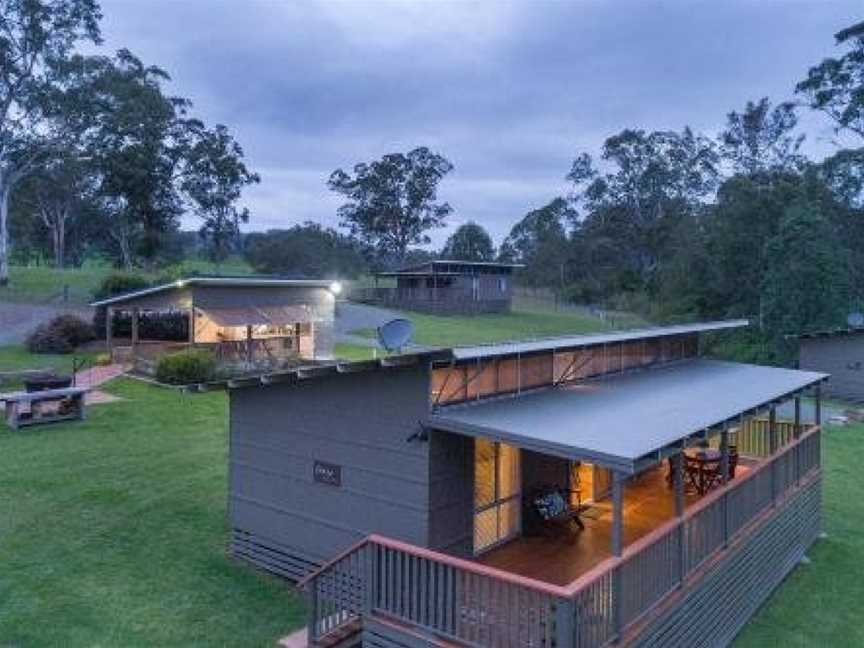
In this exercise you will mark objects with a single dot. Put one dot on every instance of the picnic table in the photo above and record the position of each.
(46, 406)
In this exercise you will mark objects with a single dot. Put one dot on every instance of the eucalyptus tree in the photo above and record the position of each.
(762, 139)
(650, 182)
(836, 86)
(214, 177)
(36, 37)
(393, 202)
(470, 242)
(138, 139)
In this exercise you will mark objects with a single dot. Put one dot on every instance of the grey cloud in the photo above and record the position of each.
(508, 91)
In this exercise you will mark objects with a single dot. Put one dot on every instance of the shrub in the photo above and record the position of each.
(60, 335)
(118, 283)
(186, 367)
(102, 360)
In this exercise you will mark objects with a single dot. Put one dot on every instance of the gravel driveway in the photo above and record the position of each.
(351, 316)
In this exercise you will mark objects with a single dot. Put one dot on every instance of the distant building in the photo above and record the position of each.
(248, 320)
(448, 287)
(840, 353)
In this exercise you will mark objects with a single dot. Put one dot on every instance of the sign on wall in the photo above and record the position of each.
(327, 473)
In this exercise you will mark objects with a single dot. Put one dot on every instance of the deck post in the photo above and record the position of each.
(565, 613)
(677, 465)
(312, 615)
(617, 546)
(797, 436)
(724, 479)
(818, 396)
(109, 331)
(772, 444)
(192, 325)
(135, 313)
(249, 344)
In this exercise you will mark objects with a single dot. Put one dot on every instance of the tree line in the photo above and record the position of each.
(671, 224)
(95, 156)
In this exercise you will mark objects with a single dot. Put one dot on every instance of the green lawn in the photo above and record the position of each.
(113, 531)
(821, 604)
(16, 357)
(437, 330)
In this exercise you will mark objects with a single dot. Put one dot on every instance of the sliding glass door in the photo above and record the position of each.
(497, 494)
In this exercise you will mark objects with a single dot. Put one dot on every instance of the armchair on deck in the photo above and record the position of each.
(550, 510)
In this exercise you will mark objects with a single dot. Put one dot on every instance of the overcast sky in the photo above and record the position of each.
(509, 92)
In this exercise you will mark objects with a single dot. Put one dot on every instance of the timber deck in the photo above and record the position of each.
(648, 502)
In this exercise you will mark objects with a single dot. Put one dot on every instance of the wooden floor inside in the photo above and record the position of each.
(649, 501)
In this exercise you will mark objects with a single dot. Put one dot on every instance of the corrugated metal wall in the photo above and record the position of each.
(840, 356)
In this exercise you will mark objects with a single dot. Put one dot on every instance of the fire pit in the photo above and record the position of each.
(41, 383)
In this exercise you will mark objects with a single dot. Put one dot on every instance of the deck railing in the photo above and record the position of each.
(477, 605)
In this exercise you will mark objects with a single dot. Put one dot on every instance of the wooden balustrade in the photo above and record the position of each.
(478, 605)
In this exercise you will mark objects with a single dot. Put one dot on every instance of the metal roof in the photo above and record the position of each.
(618, 421)
(215, 281)
(591, 339)
(327, 369)
(259, 315)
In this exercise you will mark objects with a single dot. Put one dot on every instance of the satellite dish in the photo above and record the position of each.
(395, 334)
(855, 320)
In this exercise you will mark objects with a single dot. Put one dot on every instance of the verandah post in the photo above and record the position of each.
(312, 618)
(724, 479)
(617, 547)
(677, 466)
(797, 436)
(565, 613)
(772, 440)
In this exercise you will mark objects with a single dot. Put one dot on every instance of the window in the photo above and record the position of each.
(502, 284)
(497, 493)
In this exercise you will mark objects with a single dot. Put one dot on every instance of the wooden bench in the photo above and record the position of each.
(47, 406)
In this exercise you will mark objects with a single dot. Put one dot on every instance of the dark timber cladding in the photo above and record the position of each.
(840, 353)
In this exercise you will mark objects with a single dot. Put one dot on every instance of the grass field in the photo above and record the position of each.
(436, 330)
(43, 284)
(16, 357)
(821, 603)
(113, 532)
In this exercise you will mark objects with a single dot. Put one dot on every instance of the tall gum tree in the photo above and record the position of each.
(35, 36)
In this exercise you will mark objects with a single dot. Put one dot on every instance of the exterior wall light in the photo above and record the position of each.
(336, 288)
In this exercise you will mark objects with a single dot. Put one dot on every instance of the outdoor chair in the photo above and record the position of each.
(551, 512)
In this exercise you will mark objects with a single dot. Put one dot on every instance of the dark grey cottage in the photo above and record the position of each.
(400, 491)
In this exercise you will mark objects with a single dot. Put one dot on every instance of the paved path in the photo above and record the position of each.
(18, 320)
(95, 376)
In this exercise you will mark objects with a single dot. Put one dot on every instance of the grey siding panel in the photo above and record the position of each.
(843, 358)
(451, 492)
(360, 422)
(713, 611)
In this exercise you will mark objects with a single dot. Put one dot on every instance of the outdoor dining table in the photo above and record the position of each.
(703, 468)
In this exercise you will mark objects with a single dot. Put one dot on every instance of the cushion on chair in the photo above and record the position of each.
(550, 505)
